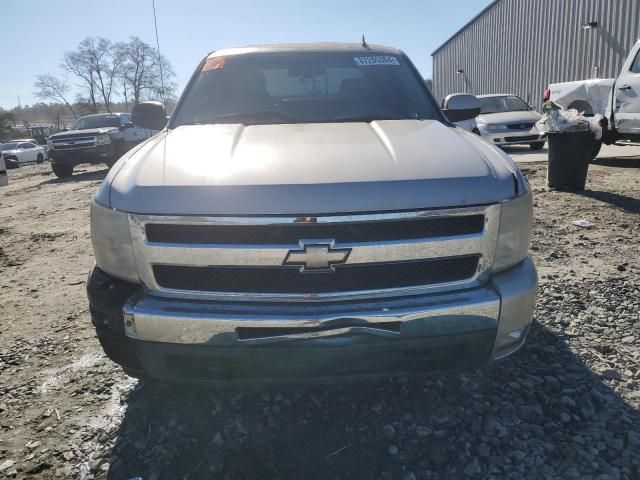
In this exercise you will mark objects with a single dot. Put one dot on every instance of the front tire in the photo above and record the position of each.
(62, 170)
(536, 146)
(40, 158)
(595, 150)
(111, 162)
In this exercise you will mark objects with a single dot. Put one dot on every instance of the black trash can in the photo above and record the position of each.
(569, 157)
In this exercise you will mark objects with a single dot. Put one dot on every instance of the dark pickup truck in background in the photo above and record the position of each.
(96, 138)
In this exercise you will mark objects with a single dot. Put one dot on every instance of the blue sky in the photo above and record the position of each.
(36, 33)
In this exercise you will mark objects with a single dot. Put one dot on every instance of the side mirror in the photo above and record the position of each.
(461, 106)
(149, 115)
(126, 125)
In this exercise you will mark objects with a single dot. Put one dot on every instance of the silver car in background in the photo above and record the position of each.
(508, 120)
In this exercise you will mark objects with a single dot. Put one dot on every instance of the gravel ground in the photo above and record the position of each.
(566, 406)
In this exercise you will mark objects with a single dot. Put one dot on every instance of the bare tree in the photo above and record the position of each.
(101, 69)
(49, 87)
(106, 66)
(78, 65)
(95, 63)
(140, 70)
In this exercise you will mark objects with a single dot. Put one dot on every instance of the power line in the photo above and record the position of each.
(155, 22)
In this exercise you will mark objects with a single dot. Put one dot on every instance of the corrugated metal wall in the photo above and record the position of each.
(521, 46)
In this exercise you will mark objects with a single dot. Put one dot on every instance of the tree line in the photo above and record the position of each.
(105, 72)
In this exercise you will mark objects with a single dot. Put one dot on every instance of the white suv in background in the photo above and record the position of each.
(17, 153)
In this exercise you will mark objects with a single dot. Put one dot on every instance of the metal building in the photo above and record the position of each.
(521, 46)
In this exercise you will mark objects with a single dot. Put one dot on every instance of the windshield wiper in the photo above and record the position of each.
(246, 118)
(372, 117)
(242, 117)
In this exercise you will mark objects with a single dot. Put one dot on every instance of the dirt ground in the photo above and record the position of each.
(566, 406)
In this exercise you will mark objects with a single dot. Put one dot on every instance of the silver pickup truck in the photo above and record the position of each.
(309, 211)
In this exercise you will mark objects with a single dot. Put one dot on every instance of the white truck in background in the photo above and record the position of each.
(617, 100)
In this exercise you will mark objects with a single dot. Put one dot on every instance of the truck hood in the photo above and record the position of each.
(87, 131)
(528, 116)
(309, 169)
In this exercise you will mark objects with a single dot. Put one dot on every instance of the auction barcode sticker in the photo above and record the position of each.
(376, 60)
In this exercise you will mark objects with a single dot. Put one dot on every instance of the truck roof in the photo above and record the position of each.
(105, 114)
(307, 47)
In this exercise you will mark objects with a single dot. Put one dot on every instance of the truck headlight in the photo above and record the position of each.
(514, 235)
(103, 139)
(111, 240)
(49, 144)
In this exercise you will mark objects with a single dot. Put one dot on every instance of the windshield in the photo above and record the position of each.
(304, 87)
(96, 121)
(510, 103)
(8, 146)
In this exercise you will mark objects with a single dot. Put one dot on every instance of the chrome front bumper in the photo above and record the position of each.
(505, 305)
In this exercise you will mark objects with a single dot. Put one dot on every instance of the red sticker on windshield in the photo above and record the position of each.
(213, 63)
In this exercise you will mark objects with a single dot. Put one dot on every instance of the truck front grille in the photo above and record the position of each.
(69, 143)
(277, 258)
(376, 231)
(345, 278)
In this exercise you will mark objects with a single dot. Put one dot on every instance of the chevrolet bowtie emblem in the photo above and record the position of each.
(317, 256)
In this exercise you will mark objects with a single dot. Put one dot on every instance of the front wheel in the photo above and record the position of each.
(111, 162)
(40, 158)
(62, 170)
(536, 146)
